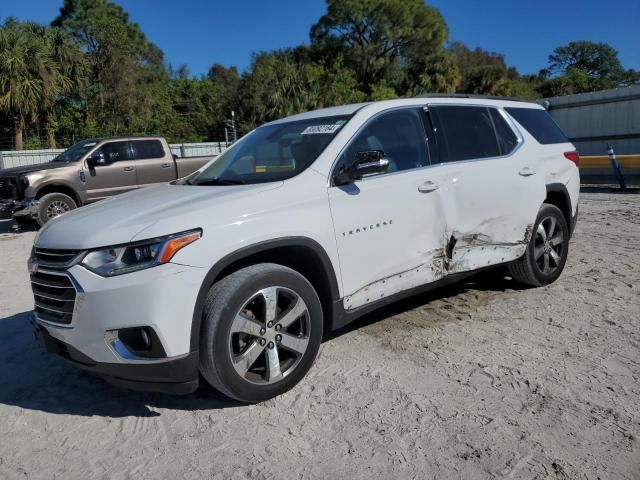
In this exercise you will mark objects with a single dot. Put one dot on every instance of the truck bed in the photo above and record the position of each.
(188, 165)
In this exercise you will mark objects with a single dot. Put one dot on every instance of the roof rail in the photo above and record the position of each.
(471, 95)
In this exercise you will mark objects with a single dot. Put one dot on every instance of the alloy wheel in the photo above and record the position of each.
(548, 246)
(269, 335)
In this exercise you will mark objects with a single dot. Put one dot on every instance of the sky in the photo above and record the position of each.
(199, 33)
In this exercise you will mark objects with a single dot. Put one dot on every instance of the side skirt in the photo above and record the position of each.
(342, 317)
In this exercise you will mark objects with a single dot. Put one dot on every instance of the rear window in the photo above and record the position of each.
(539, 124)
(143, 149)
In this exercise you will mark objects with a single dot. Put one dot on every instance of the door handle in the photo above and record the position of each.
(166, 165)
(128, 169)
(428, 186)
(526, 172)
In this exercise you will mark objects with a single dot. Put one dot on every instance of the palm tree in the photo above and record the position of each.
(22, 63)
(68, 73)
(39, 67)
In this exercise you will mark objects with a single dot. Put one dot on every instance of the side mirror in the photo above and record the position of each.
(367, 162)
(96, 159)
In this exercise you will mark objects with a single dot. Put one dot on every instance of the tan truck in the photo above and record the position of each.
(89, 171)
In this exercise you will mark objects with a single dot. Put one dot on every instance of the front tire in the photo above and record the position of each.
(261, 332)
(53, 205)
(546, 254)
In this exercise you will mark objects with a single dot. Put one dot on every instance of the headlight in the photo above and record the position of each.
(112, 261)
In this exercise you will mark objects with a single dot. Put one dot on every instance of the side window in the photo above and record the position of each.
(144, 149)
(464, 133)
(539, 124)
(507, 140)
(116, 151)
(399, 133)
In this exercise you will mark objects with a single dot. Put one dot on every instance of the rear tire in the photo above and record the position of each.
(261, 332)
(53, 205)
(546, 254)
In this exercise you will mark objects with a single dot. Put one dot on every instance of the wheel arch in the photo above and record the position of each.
(58, 188)
(302, 254)
(558, 195)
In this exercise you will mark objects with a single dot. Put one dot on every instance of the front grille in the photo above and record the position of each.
(57, 259)
(54, 295)
(7, 188)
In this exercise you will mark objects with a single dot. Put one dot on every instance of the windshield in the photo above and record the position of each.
(272, 153)
(76, 152)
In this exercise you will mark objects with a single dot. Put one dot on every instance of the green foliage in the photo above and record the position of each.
(39, 67)
(584, 67)
(94, 73)
(374, 36)
(279, 84)
(127, 69)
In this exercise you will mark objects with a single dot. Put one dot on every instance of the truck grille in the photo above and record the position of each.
(7, 188)
(56, 259)
(54, 295)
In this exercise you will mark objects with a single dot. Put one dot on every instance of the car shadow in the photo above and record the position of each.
(494, 279)
(8, 225)
(32, 379)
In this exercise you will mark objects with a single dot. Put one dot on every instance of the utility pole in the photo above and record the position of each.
(232, 124)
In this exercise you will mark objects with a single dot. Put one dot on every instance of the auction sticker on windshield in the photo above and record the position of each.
(320, 129)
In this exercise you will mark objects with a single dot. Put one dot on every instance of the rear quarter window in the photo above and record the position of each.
(539, 124)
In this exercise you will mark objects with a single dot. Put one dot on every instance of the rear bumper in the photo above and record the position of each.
(574, 221)
(178, 376)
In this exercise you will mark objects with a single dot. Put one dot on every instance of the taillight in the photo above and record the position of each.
(574, 156)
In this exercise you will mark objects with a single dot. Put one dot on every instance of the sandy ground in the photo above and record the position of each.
(479, 380)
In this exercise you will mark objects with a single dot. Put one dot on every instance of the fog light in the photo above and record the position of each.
(136, 343)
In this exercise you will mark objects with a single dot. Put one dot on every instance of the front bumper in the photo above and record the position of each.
(19, 208)
(175, 376)
(162, 298)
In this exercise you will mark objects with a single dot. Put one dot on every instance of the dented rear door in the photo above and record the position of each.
(495, 195)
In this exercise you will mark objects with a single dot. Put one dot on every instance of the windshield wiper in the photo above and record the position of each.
(220, 181)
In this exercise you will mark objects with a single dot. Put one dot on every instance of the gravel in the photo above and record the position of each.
(478, 380)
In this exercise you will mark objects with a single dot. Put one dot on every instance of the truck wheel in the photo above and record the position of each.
(261, 332)
(546, 254)
(53, 205)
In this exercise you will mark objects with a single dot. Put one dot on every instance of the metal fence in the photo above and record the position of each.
(18, 158)
(592, 121)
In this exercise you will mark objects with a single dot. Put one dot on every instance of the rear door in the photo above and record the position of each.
(389, 227)
(116, 175)
(495, 189)
(153, 163)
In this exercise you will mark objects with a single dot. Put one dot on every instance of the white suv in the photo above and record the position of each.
(306, 223)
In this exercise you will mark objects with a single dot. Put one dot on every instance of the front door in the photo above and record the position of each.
(116, 175)
(389, 227)
(495, 191)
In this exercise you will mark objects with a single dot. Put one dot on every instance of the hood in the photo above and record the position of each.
(121, 219)
(15, 171)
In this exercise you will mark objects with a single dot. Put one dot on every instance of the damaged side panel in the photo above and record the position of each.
(460, 253)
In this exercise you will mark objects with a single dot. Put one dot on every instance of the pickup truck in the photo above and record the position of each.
(90, 170)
